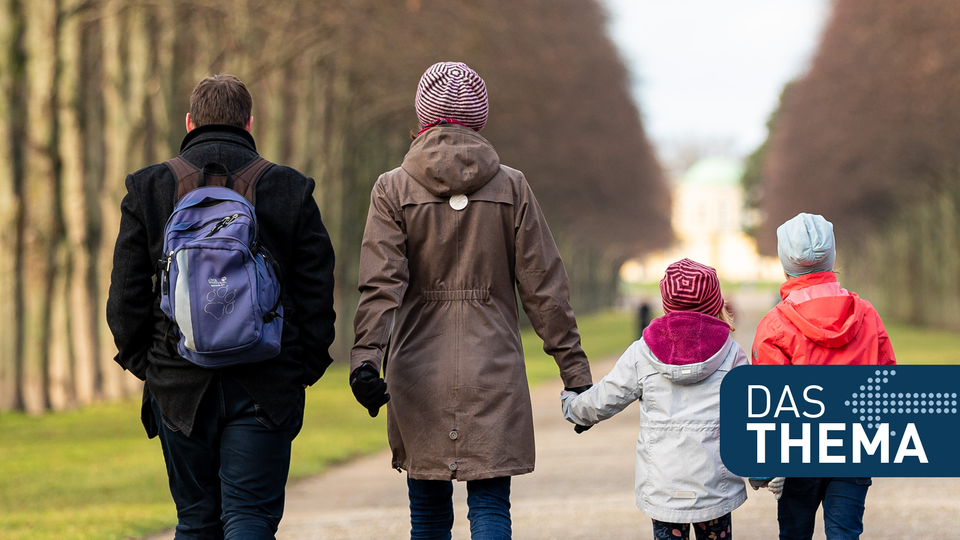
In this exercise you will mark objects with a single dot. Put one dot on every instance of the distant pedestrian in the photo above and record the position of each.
(818, 323)
(643, 318)
(675, 371)
(226, 433)
(449, 235)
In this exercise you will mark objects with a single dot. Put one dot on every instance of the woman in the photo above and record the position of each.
(448, 234)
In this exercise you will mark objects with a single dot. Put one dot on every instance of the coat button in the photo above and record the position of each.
(454, 435)
(453, 466)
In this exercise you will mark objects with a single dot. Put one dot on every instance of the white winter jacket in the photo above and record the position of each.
(680, 478)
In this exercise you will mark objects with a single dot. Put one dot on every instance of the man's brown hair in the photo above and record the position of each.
(220, 99)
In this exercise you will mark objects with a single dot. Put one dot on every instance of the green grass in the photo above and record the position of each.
(93, 475)
(602, 335)
(88, 474)
(914, 345)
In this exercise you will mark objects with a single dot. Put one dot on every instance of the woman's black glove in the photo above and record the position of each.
(369, 388)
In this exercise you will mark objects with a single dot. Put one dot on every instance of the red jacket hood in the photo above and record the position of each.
(826, 314)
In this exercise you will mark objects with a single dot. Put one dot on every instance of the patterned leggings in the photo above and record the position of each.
(715, 529)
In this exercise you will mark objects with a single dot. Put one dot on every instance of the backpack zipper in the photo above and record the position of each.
(223, 223)
(164, 284)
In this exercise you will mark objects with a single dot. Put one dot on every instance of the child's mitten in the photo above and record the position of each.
(565, 397)
(776, 486)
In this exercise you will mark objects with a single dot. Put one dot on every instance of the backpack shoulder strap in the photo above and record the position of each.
(186, 174)
(245, 180)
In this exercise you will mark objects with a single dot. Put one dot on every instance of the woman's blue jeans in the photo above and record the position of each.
(431, 509)
(843, 503)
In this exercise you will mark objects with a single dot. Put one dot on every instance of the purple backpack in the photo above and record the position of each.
(218, 284)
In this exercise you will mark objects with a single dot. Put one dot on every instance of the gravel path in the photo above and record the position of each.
(583, 487)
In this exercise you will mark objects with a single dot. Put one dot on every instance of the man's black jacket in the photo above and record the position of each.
(290, 228)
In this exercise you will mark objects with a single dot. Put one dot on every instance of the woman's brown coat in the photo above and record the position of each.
(443, 279)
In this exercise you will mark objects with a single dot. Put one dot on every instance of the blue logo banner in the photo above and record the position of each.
(816, 421)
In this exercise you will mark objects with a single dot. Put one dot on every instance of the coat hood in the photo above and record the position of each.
(687, 347)
(451, 160)
(822, 311)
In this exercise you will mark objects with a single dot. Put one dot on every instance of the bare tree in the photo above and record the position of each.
(869, 138)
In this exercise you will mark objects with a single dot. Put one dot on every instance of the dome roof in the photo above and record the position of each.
(714, 171)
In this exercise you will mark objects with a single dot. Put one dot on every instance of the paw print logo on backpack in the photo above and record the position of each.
(220, 300)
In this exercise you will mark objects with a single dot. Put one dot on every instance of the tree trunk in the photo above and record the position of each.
(80, 306)
(40, 236)
(59, 391)
(10, 28)
(304, 119)
(138, 64)
(117, 132)
(272, 123)
(950, 266)
(162, 83)
(332, 198)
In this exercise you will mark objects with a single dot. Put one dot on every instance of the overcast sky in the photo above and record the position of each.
(712, 70)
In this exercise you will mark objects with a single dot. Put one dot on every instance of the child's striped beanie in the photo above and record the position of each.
(452, 90)
(691, 286)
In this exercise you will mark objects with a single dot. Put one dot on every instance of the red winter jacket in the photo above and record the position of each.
(819, 323)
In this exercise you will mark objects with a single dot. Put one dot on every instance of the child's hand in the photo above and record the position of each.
(570, 393)
(776, 486)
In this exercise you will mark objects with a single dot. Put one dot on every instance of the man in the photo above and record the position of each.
(225, 433)
(449, 236)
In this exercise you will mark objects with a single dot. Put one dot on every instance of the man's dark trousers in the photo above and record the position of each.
(228, 477)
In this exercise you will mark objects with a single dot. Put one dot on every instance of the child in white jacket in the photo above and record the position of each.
(675, 372)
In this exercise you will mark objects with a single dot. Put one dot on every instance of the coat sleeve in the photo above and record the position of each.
(310, 283)
(765, 348)
(384, 276)
(885, 355)
(545, 290)
(131, 298)
(615, 391)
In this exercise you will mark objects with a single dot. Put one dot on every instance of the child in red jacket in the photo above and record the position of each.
(818, 323)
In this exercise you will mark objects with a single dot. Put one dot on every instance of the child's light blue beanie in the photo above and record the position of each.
(805, 245)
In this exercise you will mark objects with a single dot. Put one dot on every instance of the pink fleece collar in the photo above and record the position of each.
(685, 337)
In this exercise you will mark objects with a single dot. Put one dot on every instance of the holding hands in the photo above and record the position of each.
(566, 396)
(775, 485)
(369, 388)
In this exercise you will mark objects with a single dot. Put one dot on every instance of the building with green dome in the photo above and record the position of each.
(708, 222)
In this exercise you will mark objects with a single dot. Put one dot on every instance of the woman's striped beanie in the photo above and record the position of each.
(691, 286)
(452, 90)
